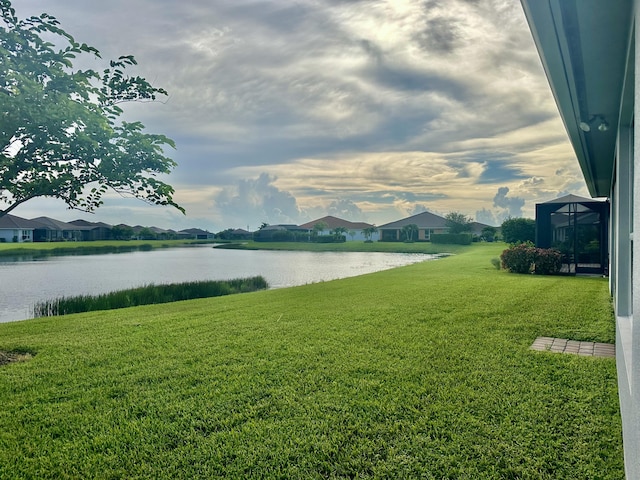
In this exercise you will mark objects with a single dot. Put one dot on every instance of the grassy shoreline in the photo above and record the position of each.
(387, 247)
(79, 248)
(421, 371)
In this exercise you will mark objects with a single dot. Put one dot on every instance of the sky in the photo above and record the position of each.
(287, 111)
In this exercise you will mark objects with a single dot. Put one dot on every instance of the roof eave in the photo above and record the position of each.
(575, 39)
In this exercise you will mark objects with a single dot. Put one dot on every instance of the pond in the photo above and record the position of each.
(24, 281)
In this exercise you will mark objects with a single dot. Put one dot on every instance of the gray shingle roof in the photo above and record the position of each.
(9, 221)
(422, 220)
(53, 224)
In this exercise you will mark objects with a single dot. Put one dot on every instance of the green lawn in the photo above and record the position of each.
(356, 246)
(418, 372)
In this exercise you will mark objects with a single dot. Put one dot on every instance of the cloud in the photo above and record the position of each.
(505, 206)
(253, 201)
(512, 206)
(486, 216)
(442, 33)
(417, 208)
(286, 107)
(346, 210)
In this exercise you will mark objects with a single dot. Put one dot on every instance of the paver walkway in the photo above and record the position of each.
(561, 345)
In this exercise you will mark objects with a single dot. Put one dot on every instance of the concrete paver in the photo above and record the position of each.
(561, 345)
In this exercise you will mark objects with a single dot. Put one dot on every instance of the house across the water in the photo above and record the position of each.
(15, 229)
(353, 230)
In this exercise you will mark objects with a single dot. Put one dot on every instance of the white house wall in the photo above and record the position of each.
(623, 297)
(7, 235)
(625, 264)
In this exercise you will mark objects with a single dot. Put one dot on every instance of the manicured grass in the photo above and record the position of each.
(100, 246)
(418, 372)
(361, 246)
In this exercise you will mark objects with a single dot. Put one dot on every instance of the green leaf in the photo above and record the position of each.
(65, 122)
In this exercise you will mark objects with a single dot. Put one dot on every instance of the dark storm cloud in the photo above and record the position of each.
(440, 35)
(406, 77)
(410, 79)
(496, 172)
(497, 167)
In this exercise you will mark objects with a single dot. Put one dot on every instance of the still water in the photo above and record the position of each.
(26, 281)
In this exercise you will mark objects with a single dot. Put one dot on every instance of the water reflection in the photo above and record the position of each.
(33, 279)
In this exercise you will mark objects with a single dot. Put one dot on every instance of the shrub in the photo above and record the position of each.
(329, 239)
(525, 258)
(489, 233)
(548, 261)
(452, 238)
(282, 236)
(496, 263)
(518, 258)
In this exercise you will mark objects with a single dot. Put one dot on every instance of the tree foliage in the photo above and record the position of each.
(489, 233)
(339, 232)
(369, 232)
(518, 230)
(121, 232)
(226, 234)
(60, 131)
(146, 233)
(457, 222)
(409, 231)
(319, 227)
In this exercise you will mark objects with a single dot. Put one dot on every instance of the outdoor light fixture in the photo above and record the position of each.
(603, 126)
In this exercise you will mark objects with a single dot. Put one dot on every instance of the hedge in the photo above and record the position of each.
(452, 238)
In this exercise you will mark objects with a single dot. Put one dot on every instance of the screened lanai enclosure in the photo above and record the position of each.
(579, 228)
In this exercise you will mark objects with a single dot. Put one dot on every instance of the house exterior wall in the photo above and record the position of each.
(434, 231)
(9, 235)
(93, 234)
(396, 235)
(390, 235)
(625, 266)
(627, 288)
(357, 237)
(51, 235)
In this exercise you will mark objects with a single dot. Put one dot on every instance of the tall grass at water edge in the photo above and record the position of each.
(147, 295)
